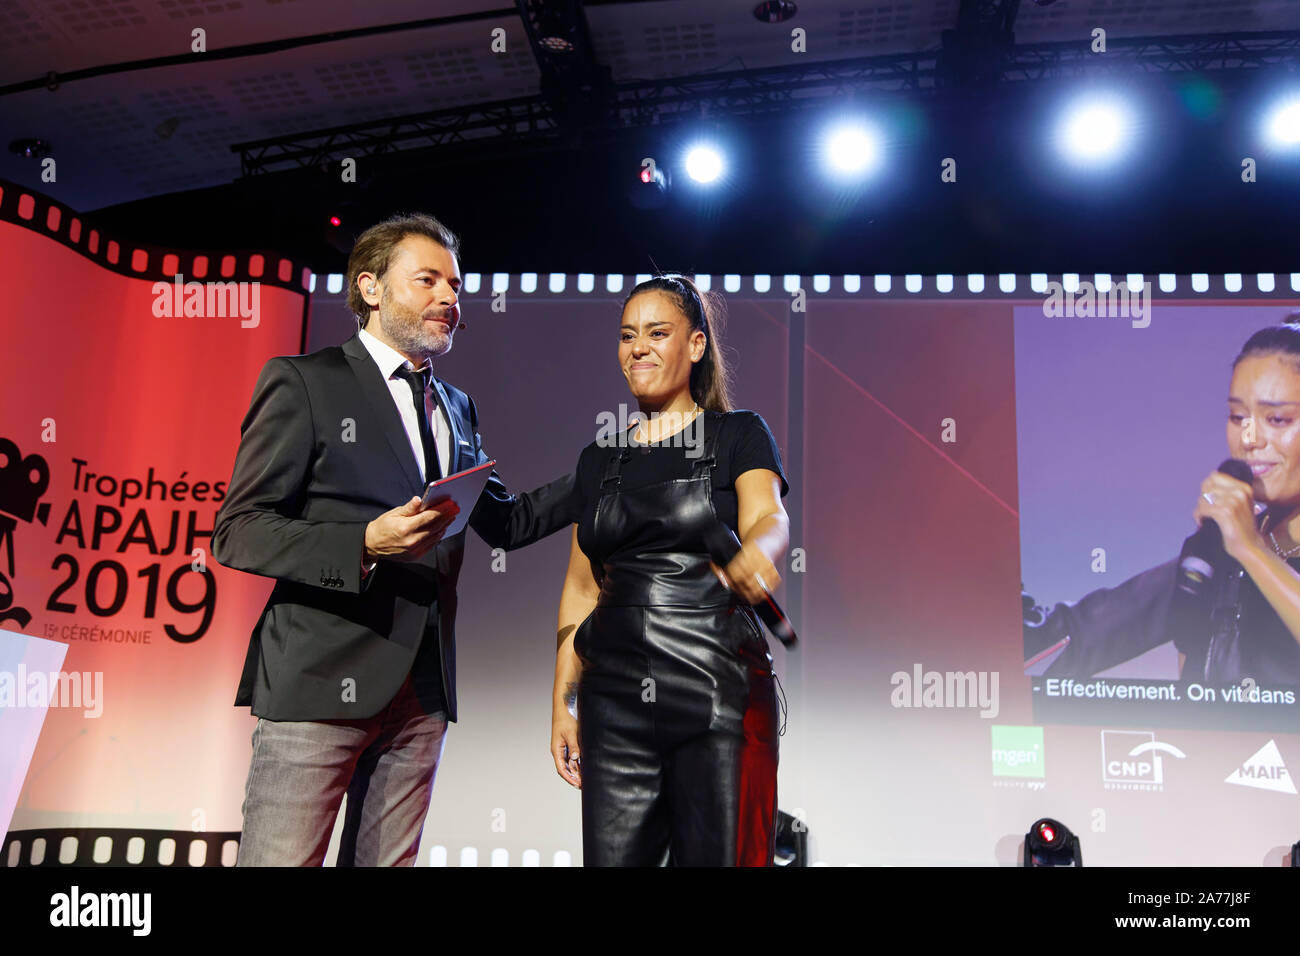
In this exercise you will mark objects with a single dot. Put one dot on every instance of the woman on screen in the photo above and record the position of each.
(1247, 627)
(673, 741)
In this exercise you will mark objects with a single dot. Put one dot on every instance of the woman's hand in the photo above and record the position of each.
(764, 536)
(750, 574)
(577, 602)
(564, 747)
(1231, 503)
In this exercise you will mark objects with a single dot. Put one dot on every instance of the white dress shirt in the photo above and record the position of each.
(389, 361)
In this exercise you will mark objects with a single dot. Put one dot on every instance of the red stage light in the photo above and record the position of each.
(335, 221)
(1050, 843)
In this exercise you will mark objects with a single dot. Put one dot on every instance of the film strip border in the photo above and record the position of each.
(1268, 285)
(89, 846)
(133, 846)
(51, 218)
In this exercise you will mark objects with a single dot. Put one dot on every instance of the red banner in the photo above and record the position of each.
(119, 421)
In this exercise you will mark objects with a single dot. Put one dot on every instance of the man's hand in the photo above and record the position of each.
(406, 533)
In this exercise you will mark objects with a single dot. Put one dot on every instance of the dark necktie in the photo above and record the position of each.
(418, 379)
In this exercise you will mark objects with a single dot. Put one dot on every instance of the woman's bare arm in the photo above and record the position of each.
(577, 601)
(764, 535)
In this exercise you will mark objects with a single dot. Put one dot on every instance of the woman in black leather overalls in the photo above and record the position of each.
(1246, 627)
(674, 744)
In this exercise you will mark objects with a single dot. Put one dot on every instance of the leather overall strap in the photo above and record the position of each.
(1223, 651)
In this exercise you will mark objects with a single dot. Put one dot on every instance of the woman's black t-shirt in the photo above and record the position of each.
(744, 442)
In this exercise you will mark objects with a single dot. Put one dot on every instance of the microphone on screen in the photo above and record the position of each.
(1203, 556)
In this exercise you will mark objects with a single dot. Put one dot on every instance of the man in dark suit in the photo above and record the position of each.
(351, 667)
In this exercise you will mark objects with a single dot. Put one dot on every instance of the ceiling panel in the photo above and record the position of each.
(125, 136)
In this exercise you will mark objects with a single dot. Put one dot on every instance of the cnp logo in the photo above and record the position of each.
(1134, 759)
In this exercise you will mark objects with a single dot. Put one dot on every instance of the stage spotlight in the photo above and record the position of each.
(703, 163)
(1050, 843)
(650, 190)
(1094, 131)
(30, 148)
(338, 220)
(775, 11)
(652, 175)
(852, 149)
(556, 27)
(1283, 124)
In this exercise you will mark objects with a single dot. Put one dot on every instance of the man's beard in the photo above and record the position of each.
(410, 333)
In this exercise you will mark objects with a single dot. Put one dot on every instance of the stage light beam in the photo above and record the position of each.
(704, 164)
(1095, 132)
(851, 149)
(1283, 124)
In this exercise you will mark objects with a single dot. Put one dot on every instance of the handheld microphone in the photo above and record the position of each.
(723, 545)
(1203, 555)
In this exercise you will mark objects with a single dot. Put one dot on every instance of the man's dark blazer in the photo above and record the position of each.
(323, 452)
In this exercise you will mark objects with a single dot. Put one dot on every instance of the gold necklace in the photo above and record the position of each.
(639, 425)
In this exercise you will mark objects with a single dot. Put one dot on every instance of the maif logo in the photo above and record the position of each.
(1264, 771)
(1134, 760)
